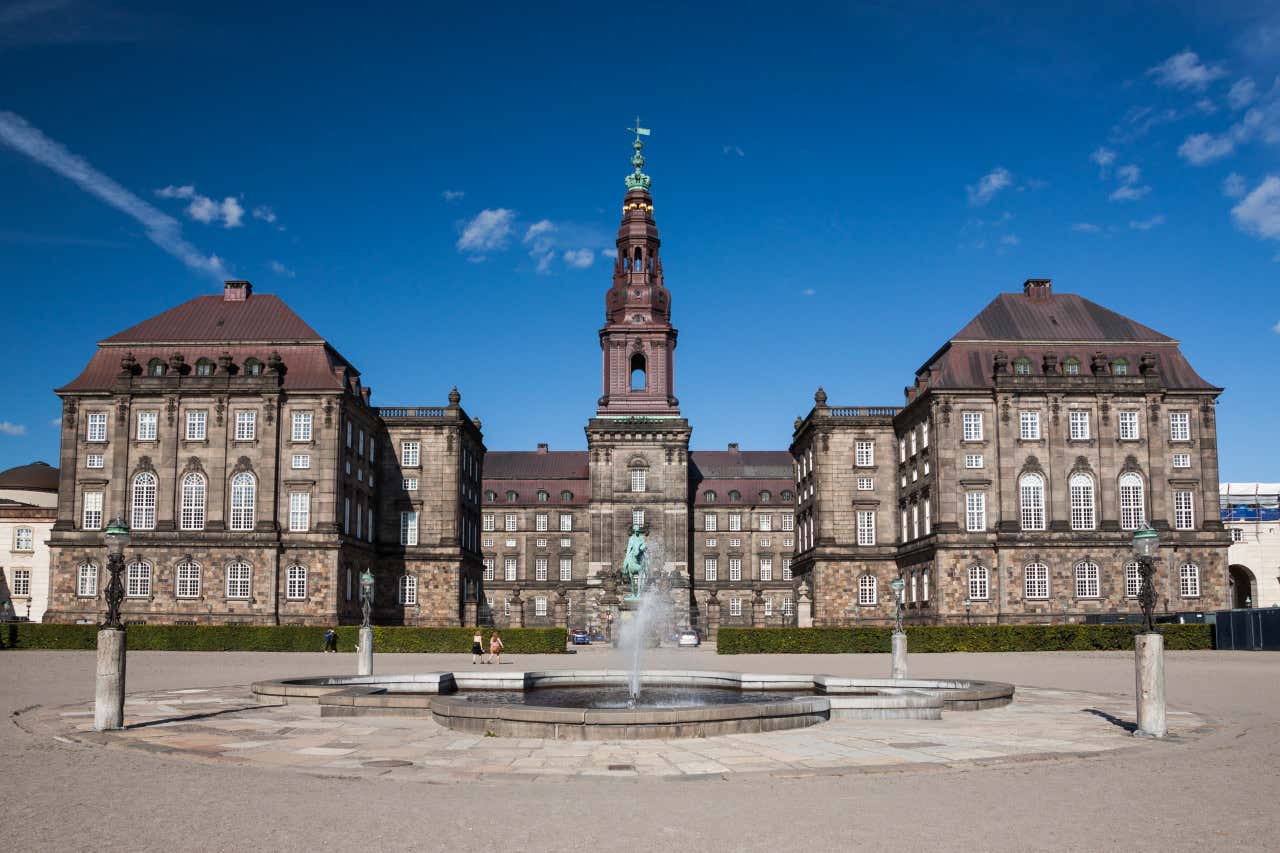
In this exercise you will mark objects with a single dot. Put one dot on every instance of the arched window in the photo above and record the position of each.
(244, 493)
(639, 258)
(868, 593)
(87, 580)
(709, 496)
(543, 496)
(187, 580)
(787, 495)
(1088, 584)
(1031, 495)
(143, 516)
(1189, 580)
(765, 497)
(1082, 514)
(408, 592)
(137, 580)
(566, 495)
(239, 576)
(296, 583)
(1132, 579)
(204, 367)
(639, 478)
(191, 516)
(638, 378)
(1132, 501)
(490, 495)
(735, 495)
(979, 583)
(155, 367)
(24, 539)
(1119, 367)
(252, 367)
(1035, 584)
(512, 496)
(1071, 366)
(1022, 366)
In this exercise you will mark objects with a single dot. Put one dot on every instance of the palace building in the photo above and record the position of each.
(259, 480)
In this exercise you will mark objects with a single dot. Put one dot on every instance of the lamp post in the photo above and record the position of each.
(108, 700)
(1149, 644)
(898, 668)
(364, 650)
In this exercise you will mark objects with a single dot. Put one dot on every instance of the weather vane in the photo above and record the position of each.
(638, 130)
(638, 179)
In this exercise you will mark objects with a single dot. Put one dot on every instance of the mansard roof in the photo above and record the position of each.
(35, 477)
(536, 465)
(1057, 317)
(740, 465)
(259, 318)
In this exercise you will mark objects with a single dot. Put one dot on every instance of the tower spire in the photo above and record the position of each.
(638, 180)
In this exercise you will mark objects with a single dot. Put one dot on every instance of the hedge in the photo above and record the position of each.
(953, 638)
(276, 638)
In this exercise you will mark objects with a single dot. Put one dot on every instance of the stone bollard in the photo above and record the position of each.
(1149, 654)
(108, 700)
(899, 667)
(364, 652)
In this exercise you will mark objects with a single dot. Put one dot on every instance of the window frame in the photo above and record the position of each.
(239, 574)
(979, 583)
(295, 585)
(1189, 580)
(193, 501)
(1088, 580)
(186, 573)
(137, 582)
(1032, 514)
(300, 427)
(197, 425)
(868, 590)
(244, 501)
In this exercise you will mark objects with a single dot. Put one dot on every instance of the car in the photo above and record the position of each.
(580, 638)
(688, 638)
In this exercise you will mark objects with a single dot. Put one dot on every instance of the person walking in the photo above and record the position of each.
(495, 648)
(330, 641)
(477, 648)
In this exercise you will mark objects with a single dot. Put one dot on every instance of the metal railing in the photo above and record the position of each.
(863, 411)
(410, 411)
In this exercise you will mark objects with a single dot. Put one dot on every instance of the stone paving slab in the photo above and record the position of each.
(227, 725)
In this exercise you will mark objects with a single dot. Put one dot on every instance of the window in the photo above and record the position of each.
(1132, 579)
(566, 568)
(979, 583)
(543, 496)
(925, 579)
(23, 539)
(137, 582)
(1237, 535)
(924, 434)
(252, 367)
(913, 442)
(711, 543)
(540, 606)
(87, 581)
(735, 495)
(735, 568)
(1119, 367)
(566, 522)
(1029, 426)
(565, 542)
(204, 367)
(709, 497)
(864, 453)
(94, 460)
(928, 517)
(638, 478)
(975, 510)
(1132, 502)
(786, 568)
(1189, 580)
(788, 521)
(487, 522)
(1129, 426)
(92, 511)
(913, 587)
(1079, 425)
(766, 568)
(512, 496)
(866, 527)
(147, 422)
(409, 528)
(1087, 584)
(1179, 426)
(766, 496)
(637, 518)
(1182, 460)
(488, 568)
(197, 425)
(22, 583)
(410, 484)
(409, 452)
(766, 523)
(96, 429)
(915, 521)
(301, 426)
(972, 426)
(735, 543)
(864, 484)
(1036, 580)
(566, 495)
(902, 450)
(1082, 514)
(296, 583)
(509, 568)
(301, 461)
(346, 515)
(735, 607)
(246, 425)
(1183, 513)
(187, 582)
(1071, 367)
(238, 577)
(349, 433)
(973, 460)
(144, 502)
(710, 567)
(540, 569)
(408, 593)
(735, 521)
(768, 607)
(867, 592)
(540, 521)
(191, 512)
(1031, 496)
(1022, 366)
(299, 512)
(509, 521)
(244, 493)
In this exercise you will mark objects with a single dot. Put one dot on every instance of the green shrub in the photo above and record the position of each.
(276, 638)
(954, 638)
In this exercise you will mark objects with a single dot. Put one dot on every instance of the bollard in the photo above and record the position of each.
(1149, 655)
(364, 652)
(899, 668)
(108, 699)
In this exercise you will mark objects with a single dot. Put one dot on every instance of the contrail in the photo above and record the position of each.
(162, 229)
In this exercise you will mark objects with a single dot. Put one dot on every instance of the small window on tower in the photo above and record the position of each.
(637, 373)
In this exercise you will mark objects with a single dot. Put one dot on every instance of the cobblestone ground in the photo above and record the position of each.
(1056, 770)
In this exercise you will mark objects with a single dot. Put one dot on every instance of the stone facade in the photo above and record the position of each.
(1251, 513)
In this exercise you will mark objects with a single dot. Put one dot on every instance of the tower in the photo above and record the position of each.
(638, 443)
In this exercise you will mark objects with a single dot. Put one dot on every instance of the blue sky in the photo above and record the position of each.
(838, 191)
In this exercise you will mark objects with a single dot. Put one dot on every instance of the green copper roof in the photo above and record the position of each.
(637, 180)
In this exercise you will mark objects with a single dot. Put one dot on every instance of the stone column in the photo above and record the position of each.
(757, 610)
(713, 615)
(517, 609)
(1149, 654)
(804, 608)
(108, 700)
(364, 652)
(898, 668)
(561, 608)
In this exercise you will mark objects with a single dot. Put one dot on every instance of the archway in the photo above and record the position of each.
(1243, 588)
(638, 377)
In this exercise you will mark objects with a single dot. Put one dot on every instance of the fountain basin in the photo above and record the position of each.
(481, 702)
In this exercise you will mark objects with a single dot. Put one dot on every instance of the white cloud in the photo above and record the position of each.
(1086, 228)
(280, 269)
(55, 423)
(487, 232)
(1201, 148)
(1258, 213)
(7, 428)
(1010, 240)
(264, 213)
(1147, 224)
(580, 258)
(171, 191)
(232, 213)
(1138, 121)
(989, 186)
(1129, 193)
(808, 291)
(1233, 185)
(161, 229)
(608, 254)
(539, 237)
(1276, 328)
(1129, 174)
(1185, 71)
(1104, 157)
(453, 195)
(203, 209)
(1206, 106)
(206, 210)
(1242, 93)
(733, 149)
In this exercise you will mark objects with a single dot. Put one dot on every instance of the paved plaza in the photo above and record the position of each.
(202, 765)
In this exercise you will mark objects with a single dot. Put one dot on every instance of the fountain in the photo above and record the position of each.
(645, 609)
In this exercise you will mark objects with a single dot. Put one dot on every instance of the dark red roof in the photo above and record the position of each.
(749, 489)
(527, 491)
(1059, 317)
(212, 319)
(536, 465)
(740, 464)
(308, 367)
(36, 477)
(972, 365)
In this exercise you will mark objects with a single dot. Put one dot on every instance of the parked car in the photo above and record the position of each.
(688, 638)
(580, 638)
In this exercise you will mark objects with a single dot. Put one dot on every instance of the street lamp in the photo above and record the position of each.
(1146, 545)
(108, 700)
(117, 539)
(1149, 645)
(366, 598)
(898, 642)
(897, 585)
(968, 603)
(364, 649)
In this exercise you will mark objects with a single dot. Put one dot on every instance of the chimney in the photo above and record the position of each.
(236, 290)
(1038, 289)
(733, 445)
(365, 391)
(543, 447)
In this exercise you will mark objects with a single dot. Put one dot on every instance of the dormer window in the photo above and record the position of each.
(490, 496)
(543, 496)
(709, 496)
(512, 497)
(765, 497)
(1022, 366)
(1071, 367)
(735, 496)
(252, 367)
(566, 495)
(204, 367)
(787, 496)
(155, 367)
(1119, 367)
